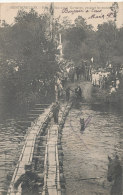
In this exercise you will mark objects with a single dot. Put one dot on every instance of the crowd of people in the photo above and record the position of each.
(66, 92)
(71, 73)
(107, 79)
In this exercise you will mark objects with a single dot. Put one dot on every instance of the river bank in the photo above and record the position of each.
(96, 96)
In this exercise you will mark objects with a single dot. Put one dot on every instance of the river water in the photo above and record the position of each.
(13, 128)
(11, 143)
(86, 155)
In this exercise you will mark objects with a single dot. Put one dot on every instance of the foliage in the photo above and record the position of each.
(27, 56)
(80, 41)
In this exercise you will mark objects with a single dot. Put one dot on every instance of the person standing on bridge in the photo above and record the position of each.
(67, 91)
(28, 182)
(56, 109)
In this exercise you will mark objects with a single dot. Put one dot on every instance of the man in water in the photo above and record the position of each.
(82, 123)
(28, 182)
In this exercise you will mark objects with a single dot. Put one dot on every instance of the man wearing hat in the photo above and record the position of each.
(28, 181)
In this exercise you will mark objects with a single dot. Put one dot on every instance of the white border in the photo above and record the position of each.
(28, 1)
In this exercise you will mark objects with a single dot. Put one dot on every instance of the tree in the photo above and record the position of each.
(114, 9)
(119, 43)
(29, 55)
(73, 36)
(106, 34)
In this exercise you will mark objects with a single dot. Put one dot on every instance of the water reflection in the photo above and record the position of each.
(11, 143)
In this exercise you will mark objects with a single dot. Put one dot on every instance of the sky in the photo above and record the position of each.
(94, 13)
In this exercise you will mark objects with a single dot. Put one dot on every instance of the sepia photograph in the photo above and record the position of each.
(61, 98)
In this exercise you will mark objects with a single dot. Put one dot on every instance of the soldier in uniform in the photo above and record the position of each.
(56, 109)
(28, 182)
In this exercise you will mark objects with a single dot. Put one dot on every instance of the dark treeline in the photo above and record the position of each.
(28, 53)
(27, 60)
(105, 44)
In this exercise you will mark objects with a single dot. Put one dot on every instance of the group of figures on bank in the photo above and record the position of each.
(108, 79)
(70, 74)
(62, 89)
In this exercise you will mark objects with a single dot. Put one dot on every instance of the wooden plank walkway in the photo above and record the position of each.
(52, 173)
(28, 148)
(52, 162)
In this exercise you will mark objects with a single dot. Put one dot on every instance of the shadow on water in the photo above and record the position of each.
(109, 108)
